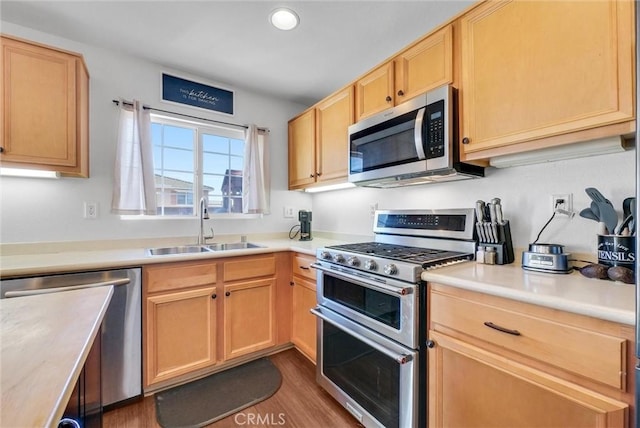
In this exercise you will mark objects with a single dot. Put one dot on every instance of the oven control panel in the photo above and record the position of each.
(452, 223)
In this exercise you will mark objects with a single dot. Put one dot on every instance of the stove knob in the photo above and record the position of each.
(325, 255)
(370, 265)
(353, 261)
(390, 269)
(338, 258)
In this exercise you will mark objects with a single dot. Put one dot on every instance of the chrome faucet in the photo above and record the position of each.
(204, 215)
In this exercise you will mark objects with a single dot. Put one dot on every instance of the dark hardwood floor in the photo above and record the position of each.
(299, 403)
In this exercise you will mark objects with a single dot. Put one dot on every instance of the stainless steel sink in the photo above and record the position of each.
(206, 248)
(183, 249)
(232, 246)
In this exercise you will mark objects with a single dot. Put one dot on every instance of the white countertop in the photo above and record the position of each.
(77, 260)
(44, 342)
(603, 299)
(608, 300)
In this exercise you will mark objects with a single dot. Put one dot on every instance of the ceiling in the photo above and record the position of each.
(232, 43)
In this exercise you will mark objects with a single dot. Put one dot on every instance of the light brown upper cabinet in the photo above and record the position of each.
(538, 74)
(333, 117)
(374, 91)
(318, 141)
(302, 150)
(45, 108)
(424, 65)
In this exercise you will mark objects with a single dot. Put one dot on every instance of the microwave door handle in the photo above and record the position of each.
(417, 134)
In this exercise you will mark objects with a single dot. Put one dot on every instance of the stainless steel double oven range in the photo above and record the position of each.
(372, 312)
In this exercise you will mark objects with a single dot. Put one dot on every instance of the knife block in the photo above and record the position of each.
(504, 247)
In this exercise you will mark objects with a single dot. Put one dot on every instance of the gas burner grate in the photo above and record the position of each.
(399, 252)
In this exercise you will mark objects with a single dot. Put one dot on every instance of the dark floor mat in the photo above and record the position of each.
(206, 400)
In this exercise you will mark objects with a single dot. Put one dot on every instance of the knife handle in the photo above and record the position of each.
(480, 210)
(499, 217)
(492, 213)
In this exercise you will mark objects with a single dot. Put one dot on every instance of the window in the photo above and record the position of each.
(194, 160)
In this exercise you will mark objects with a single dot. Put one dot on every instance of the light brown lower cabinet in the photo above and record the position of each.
(471, 387)
(179, 319)
(181, 333)
(495, 362)
(303, 329)
(198, 315)
(303, 334)
(249, 317)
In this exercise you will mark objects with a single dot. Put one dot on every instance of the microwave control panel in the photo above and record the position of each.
(434, 123)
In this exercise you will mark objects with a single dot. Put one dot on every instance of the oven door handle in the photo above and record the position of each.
(401, 291)
(399, 358)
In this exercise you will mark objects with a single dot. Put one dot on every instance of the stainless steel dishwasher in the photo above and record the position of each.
(121, 353)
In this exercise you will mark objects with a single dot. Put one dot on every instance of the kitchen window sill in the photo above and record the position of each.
(213, 216)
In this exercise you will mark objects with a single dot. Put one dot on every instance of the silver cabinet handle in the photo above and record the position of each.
(22, 293)
(399, 358)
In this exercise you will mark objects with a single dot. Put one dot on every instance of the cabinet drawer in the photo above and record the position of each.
(179, 275)
(591, 354)
(249, 267)
(301, 266)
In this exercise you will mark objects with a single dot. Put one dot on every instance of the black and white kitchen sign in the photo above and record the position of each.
(183, 91)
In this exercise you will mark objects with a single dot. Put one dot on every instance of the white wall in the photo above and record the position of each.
(34, 210)
(525, 192)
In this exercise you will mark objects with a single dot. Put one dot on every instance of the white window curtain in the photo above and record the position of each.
(256, 177)
(134, 184)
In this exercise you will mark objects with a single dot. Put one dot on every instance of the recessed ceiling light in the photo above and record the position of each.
(284, 19)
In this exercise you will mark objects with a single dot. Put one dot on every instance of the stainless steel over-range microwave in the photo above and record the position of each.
(412, 143)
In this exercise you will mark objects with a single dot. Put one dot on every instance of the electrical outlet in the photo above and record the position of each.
(91, 210)
(372, 209)
(562, 204)
(288, 212)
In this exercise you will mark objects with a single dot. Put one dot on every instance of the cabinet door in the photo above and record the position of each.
(249, 317)
(374, 92)
(539, 69)
(302, 155)
(180, 333)
(304, 323)
(333, 117)
(550, 340)
(426, 65)
(44, 109)
(470, 387)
